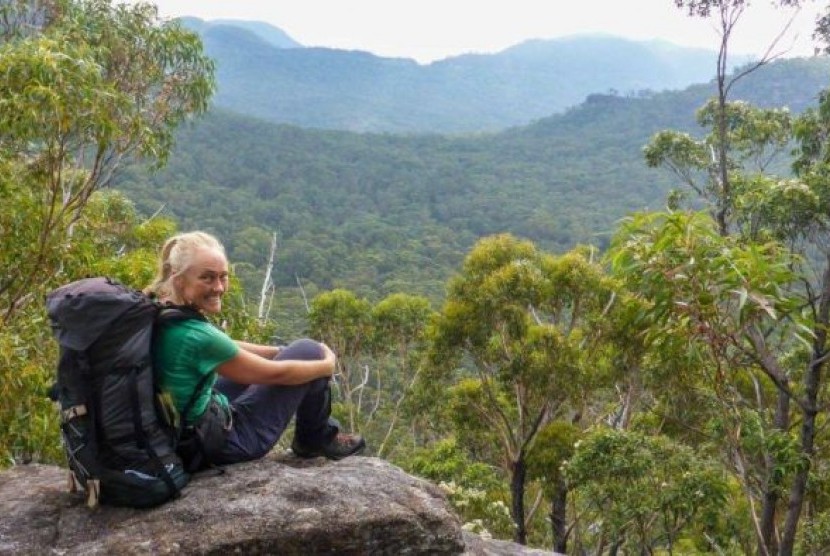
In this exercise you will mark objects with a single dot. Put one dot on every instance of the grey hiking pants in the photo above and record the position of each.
(261, 413)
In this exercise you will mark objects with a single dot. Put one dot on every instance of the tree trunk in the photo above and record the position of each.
(558, 517)
(724, 194)
(808, 430)
(517, 493)
(812, 383)
(631, 398)
(768, 542)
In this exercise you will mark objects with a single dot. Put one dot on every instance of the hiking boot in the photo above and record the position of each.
(339, 447)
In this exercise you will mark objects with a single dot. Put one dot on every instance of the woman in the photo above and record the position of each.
(240, 414)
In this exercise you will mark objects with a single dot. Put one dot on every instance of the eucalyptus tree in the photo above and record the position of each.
(343, 321)
(90, 85)
(780, 226)
(517, 345)
(723, 307)
(400, 322)
(741, 141)
(726, 16)
(769, 211)
(799, 210)
(378, 349)
(726, 169)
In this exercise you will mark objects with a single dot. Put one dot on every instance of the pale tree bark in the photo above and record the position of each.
(267, 284)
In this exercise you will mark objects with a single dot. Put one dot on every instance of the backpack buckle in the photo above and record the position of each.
(73, 412)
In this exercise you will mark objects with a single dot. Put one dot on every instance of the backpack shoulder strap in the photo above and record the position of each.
(169, 312)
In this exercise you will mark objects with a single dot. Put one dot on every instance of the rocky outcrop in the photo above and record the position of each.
(278, 505)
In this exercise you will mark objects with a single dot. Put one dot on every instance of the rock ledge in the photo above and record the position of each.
(277, 505)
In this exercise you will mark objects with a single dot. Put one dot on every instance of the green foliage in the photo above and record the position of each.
(343, 321)
(786, 210)
(751, 138)
(156, 68)
(708, 296)
(53, 90)
(522, 317)
(807, 200)
(399, 322)
(552, 447)
(474, 413)
(111, 241)
(475, 490)
(699, 282)
(814, 537)
(28, 422)
(517, 344)
(97, 84)
(754, 439)
(446, 461)
(644, 492)
(743, 298)
(754, 135)
(378, 348)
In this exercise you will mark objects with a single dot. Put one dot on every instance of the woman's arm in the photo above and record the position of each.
(248, 368)
(268, 352)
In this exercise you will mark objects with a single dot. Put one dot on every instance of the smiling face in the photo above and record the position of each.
(204, 282)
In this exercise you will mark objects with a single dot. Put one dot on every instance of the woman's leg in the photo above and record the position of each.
(262, 413)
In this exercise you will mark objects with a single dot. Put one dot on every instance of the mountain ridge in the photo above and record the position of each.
(353, 90)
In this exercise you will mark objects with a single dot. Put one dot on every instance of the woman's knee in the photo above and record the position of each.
(303, 349)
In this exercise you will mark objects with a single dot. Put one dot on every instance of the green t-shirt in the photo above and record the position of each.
(184, 351)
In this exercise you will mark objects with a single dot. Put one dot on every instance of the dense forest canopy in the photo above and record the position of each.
(383, 213)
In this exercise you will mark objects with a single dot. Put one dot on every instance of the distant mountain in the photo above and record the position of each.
(357, 91)
(274, 36)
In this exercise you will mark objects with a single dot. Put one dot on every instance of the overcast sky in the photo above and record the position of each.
(428, 30)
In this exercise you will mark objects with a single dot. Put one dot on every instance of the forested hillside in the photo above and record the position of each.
(383, 213)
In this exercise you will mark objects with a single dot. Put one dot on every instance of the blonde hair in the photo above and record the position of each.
(176, 257)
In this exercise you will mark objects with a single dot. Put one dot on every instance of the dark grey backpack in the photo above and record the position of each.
(118, 438)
